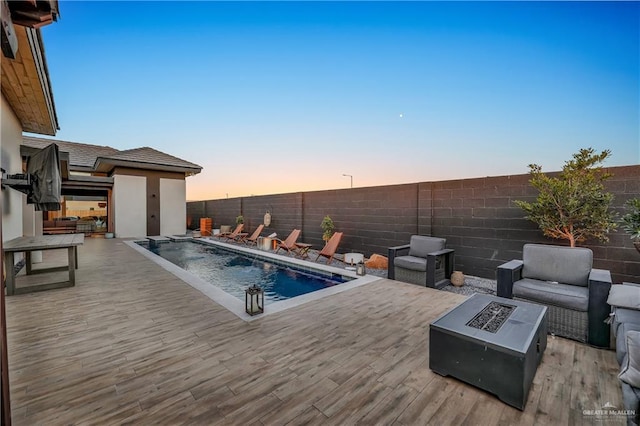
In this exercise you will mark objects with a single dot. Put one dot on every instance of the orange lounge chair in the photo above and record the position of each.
(253, 239)
(231, 235)
(330, 248)
(289, 245)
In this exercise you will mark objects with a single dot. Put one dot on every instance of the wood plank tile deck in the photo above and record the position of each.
(132, 344)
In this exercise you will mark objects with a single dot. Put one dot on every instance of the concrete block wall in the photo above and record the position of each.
(476, 216)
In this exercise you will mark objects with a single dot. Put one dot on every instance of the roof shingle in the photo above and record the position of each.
(90, 156)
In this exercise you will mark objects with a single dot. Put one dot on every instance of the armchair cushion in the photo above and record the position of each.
(421, 246)
(411, 262)
(566, 296)
(566, 265)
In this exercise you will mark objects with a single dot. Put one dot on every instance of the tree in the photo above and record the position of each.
(631, 220)
(573, 206)
(328, 228)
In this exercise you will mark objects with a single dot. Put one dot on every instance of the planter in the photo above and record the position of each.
(457, 279)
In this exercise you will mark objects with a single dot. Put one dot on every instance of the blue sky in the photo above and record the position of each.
(280, 97)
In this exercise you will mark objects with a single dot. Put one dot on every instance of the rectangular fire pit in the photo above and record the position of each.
(493, 343)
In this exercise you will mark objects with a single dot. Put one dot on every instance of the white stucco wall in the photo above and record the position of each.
(10, 160)
(130, 206)
(173, 206)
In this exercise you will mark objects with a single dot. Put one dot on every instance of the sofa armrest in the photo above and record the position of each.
(507, 274)
(449, 263)
(599, 310)
(392, 254)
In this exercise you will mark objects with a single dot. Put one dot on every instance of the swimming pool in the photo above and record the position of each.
(234, 271)
(234, 304)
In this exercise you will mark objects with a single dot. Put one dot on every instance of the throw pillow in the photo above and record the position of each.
(624, 296)
(630, 372)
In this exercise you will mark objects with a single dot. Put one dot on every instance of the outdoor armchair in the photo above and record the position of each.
(424, 261)
(561, 278)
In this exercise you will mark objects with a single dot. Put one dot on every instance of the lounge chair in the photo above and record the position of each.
(253, 239)
(330, 248)
(231, 235)
(289, 245)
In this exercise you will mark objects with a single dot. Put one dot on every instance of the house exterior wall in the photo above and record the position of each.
(173, 206)
(163, 205)
(11, 162)
(130, 206)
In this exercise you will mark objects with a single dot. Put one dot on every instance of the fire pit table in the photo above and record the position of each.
(490, 342)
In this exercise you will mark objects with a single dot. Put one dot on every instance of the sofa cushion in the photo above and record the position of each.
(562, 295)
(631, 400)
(625, 296)
(421, 246)
(623, 315)
(565, 265)
(411, 262)
(630, 371)
(621, 341)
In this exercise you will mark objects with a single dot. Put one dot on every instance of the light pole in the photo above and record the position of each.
(350, 176)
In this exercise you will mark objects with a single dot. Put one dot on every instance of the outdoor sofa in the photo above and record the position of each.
(625, 327)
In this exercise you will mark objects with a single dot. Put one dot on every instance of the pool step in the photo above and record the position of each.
(180, 237)
(159, 239)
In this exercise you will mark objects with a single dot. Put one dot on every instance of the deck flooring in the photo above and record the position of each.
(132, 344)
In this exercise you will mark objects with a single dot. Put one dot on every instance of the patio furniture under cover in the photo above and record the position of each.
(561, 278)
(424, 261)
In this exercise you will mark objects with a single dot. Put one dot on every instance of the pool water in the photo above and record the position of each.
(233, 272)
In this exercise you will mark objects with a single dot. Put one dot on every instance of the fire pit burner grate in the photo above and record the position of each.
(492, 317)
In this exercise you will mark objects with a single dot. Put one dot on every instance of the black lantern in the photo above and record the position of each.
(254, 300)
(360, 269)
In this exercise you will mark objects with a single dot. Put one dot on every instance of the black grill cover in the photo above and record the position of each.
(46, 186)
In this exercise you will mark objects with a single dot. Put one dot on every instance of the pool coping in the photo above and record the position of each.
(236, 306)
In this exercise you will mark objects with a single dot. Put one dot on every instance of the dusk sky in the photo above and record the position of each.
(283, 97)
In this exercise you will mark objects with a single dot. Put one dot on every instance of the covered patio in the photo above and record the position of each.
(132, 343)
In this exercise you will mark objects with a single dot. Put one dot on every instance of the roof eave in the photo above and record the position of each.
(32, 103)
(107, 165)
